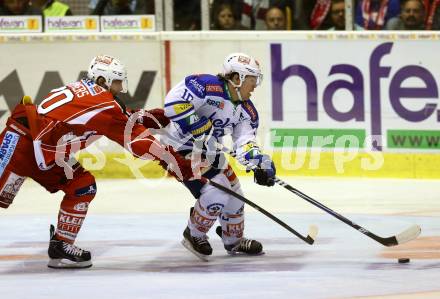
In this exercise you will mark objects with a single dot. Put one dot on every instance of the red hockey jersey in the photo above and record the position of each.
(73, 116)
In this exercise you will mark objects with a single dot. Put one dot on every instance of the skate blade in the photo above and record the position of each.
(68, 264)
(188, 246)
(234, 253)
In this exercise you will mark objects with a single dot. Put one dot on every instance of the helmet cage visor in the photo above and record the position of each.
(118, 75)
(250, 72)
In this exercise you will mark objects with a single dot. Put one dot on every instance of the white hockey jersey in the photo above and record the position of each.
(206, 95)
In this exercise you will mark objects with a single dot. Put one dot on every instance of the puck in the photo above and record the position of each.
(403, 260)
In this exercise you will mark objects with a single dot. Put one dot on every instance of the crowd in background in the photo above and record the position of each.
(324, 15)
(256, 14)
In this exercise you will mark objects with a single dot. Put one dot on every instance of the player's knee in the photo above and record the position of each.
(82, 187)
(77, 201)
(213, 202)
(86, 191)
(237, 188)
(221, 179)
(234, 212)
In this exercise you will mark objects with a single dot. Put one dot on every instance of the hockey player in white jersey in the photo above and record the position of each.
(207, 107)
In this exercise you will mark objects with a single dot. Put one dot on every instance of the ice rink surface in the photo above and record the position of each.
(134, 229)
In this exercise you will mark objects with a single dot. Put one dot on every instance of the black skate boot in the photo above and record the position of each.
(66, 256)
(244, 246)
(199, 246)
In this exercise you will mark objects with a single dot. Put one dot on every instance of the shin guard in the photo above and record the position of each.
(73, 210)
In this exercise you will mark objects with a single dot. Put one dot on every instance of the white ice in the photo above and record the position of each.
(134, 229)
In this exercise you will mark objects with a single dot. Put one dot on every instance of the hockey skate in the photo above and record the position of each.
(244, 246)
(199, 246)
(66, 256)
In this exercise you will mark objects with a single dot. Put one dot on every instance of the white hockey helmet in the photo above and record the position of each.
(110, 69)
(244, 65)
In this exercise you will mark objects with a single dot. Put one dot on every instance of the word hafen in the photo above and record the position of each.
(7, 24)
(397, 91)
(121, 23)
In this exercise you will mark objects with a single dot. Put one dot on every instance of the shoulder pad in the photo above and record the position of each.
(195, 85)
(213, 85)
(203, 85)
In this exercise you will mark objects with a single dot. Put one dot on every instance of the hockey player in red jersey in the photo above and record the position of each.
(39, 142)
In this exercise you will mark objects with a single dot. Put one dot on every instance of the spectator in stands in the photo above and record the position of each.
(224, 19)
(141, 7)
(235, 6)
(145, 7)
(112, 7)
(187, 15)
(52, 8)
(275, 19)
(337, 16)
(289, 9)
(17, 8)
(252, 13)
(323, 15)
(412, 16)
(318, 16)
(432, 7)
(374, 14)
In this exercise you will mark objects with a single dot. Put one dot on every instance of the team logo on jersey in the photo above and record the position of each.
(197, 86)
(214, 88)
(180, 108)
(93, 88)
(248, 146)
(218, 104)
(7, 149)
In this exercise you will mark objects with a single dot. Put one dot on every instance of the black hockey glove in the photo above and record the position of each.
(266, 171)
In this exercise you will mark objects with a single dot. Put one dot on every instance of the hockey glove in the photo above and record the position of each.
(201, 128)
(176, 165)
(154, 118)
(266, 171)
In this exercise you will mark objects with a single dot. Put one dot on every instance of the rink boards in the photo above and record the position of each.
(326, 94)
(394, 165)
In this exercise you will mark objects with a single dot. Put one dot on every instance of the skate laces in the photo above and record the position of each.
(244, 245)
(201, 240)
(72, 249)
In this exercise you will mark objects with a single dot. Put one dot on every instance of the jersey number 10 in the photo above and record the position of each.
(59, 97)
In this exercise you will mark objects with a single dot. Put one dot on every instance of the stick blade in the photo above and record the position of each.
(409, 234)
(313, 232)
